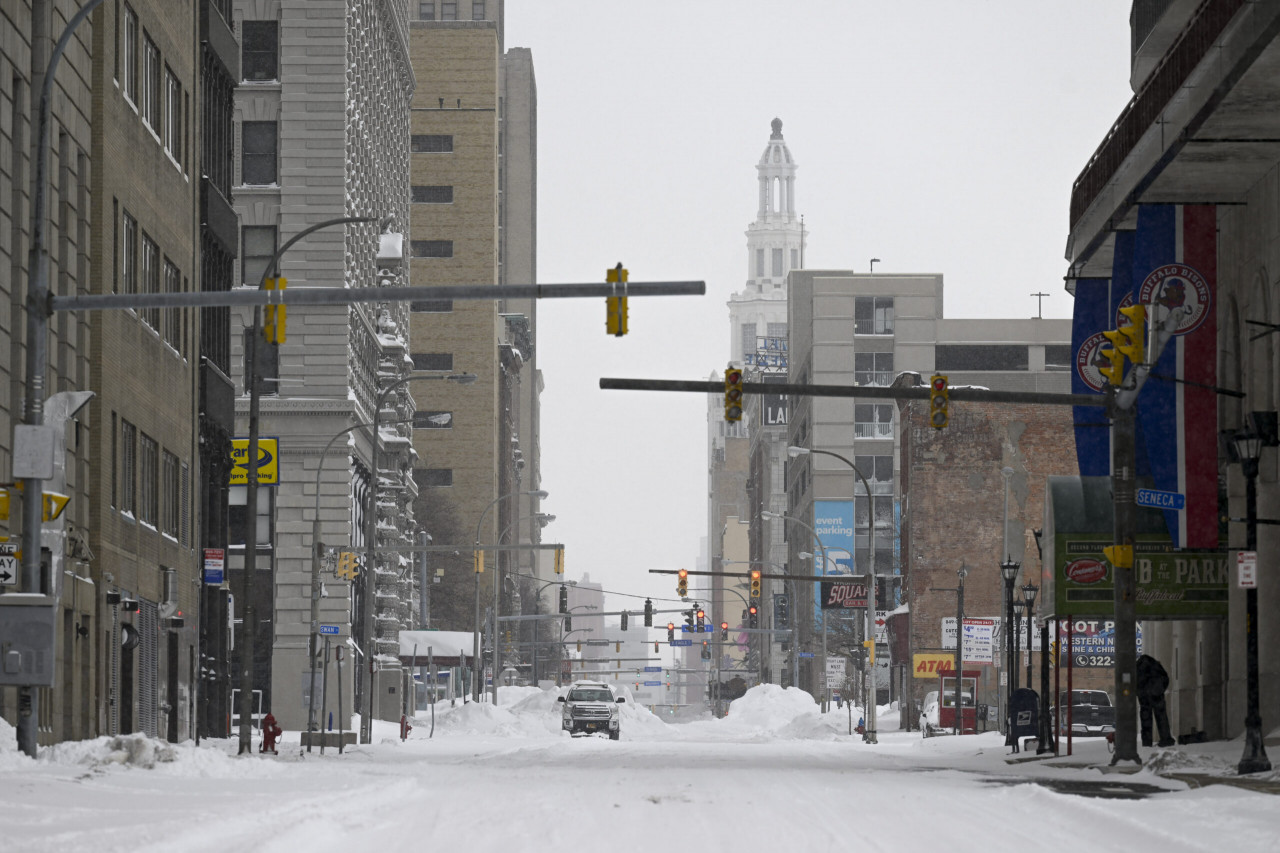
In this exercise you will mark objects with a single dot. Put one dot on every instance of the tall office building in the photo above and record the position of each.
(322, 125)
(473, 162)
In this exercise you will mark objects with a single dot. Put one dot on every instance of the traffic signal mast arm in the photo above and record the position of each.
(960, 394)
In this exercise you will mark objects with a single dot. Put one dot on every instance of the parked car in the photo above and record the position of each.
(589, 707)
(1092, 714)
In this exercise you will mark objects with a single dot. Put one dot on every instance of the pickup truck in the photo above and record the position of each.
(1091, 714)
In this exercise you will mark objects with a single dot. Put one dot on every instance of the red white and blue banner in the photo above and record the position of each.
(1175, 266)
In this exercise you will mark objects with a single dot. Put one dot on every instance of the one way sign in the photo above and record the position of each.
(8, 566)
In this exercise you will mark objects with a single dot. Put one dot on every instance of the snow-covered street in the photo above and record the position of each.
(775, 775)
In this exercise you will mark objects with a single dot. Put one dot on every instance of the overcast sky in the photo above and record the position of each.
(937, 136)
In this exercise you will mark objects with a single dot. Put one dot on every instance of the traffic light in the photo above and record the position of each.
(274, 317)
(1053, 652)
(479, 562)
(655, 647)
(702, 615)
(1134, 346)
(671, 634)
(1113, 370)
(348, 565)
(689, 624)
(706, 650)
(755, 583)
(568, 625)
(724, 630)
(783, 618)
(1120, 556)
(624, 620)
(939, 400)
(753, 616)
(564, 599)
(559, 561)
(615, 321)
(682, 584)
(732, 394)
(648, 612)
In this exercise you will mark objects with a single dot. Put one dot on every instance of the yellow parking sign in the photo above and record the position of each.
(268, 462)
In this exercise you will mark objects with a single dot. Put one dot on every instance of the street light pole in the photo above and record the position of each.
(368, 582)
(960, 574)
(1029, 596)
(1248, 447)
(475, 659)
(1009, 573)
(794, 451)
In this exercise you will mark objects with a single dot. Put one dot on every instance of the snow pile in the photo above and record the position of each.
(771, 711)
(1162, 762)
(133, 750)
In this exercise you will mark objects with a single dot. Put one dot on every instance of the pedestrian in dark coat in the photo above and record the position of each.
(1153, 681)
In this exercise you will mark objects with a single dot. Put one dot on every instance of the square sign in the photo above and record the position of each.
(1247, 569)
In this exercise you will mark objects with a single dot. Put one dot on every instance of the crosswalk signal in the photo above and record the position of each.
(755, 583)
(732, 394)
(648, 612)
(682, 583)
(615, 322)
(939, 401)
(275, 315)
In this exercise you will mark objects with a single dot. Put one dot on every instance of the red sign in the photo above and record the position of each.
(1085, 570)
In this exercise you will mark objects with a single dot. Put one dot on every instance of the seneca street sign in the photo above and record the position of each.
(1160, 500)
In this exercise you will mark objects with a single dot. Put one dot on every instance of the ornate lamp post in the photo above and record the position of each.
(1009, 572)
(1248, 446)
(1029, 596)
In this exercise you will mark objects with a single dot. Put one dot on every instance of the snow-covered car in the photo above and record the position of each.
(589, 707)
(929, 714)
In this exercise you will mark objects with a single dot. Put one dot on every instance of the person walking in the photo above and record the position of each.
(1153, 681)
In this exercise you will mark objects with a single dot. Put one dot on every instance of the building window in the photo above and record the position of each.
(258, 153)
(749, 343)
(427, 10)
(150, 83)
(432, 361)
(777, 330)
(172, 328)
(257, 248)
(432, 195)
(150, 270)
(170, 505)
(238, 516)
(432, 306)
(759, 263)
(980, 357)
(448, 10)
(129, 61)
(115, 460)
(172, 135)
(477, 10)
(148, 480)
(184, 505)
(129, 253)
(795, 259)
(873, 315)
(433, 478)
(260, 50)
(777, 264)
(872, 368)
(873, 420)
(431, 144)
(128, 468)
(1057, 357)
(433, 420)
(431, 248)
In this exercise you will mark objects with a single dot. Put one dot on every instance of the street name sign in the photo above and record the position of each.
(1160, 499)
(653, 684)
(653, 669)
(682, 642)
(328, 629)
(806, 654)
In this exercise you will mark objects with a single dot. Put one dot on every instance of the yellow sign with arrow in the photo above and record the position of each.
(54, 504)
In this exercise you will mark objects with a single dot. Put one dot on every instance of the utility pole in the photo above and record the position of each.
(1123, 460)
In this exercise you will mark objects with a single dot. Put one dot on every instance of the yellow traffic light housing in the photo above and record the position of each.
(682, 583)
(479, 562)
(348, 565)
(733, 394)
(1134, 345)
(755, 583)
(939, 401)
(1113, 371)
(559, 561)
(615, 319)
(275, 315)
(1120, 556)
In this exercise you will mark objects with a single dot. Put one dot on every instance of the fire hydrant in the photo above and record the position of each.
(270, 734)
(405, 728)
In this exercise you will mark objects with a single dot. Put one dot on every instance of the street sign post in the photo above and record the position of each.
(1160, 499)
(1247, 569)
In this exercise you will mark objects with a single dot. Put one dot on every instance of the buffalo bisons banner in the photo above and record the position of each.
(1171, 261)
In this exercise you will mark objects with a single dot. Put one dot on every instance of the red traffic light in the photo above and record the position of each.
(702, 614)
(733, 376)
(684, 573)
(671, 626)
(755, 574)
(939, 383)
(724, 626)
(753, 610)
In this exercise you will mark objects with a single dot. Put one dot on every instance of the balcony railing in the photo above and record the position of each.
(1145, 107)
